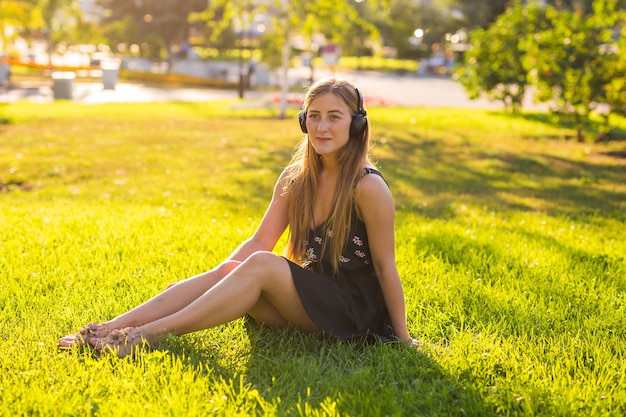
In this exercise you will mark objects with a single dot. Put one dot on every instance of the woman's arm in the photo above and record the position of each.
(375, 207)
(270, 229)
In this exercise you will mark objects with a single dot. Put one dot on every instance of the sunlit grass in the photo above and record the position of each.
(509, 241)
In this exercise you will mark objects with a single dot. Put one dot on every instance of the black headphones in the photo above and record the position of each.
(357, 126)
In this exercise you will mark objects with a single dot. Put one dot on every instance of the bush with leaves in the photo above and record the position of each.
(614, 66)
(567, 62)
(494, 65)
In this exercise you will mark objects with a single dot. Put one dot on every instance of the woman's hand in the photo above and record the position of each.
(412, 343)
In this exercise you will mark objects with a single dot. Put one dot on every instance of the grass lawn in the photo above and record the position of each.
(510, 242)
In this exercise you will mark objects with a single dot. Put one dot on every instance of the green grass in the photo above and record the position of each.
(370, 63)
(510, 242)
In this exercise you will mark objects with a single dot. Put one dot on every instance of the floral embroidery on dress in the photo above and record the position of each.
(308, 258)
(354, 256)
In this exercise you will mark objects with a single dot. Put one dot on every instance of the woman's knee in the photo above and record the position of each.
(226, 268)
(263, 261)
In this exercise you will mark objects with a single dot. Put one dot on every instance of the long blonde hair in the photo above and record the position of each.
(304, 170)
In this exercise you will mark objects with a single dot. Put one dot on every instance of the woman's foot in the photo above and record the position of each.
(122, 342)
(80, 339)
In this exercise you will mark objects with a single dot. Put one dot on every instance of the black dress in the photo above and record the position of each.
(349, 304)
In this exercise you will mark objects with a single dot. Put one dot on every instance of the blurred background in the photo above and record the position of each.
(496, 48)
(222, 39)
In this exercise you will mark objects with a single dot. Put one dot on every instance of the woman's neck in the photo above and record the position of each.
(330, 166)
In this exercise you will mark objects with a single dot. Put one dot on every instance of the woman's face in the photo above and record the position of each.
(328, 120)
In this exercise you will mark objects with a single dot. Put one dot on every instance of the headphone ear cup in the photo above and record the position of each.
(359, 121)
(302, 120)
(358, 126)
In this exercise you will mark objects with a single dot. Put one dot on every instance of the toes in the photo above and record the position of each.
(70, 341)
(97, 343)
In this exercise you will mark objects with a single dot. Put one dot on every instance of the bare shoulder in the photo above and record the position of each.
(372, 183)
(372, 194)
(284, 178)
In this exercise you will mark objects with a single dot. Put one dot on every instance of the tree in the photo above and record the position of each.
(398, 20)
(613, 54)
(615, 88)
(336, 20)
(16, 14)
(566, 63)
(59, 19)
(362, 37)
(330, 18)
(584, 7)
(494, 65)
(480, 13)
(164, 22)
(215, 24)
(398, 23)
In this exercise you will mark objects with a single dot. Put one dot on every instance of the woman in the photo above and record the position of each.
(338, 276)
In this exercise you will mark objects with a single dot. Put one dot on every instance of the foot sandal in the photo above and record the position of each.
(122, 342)
(81, 339)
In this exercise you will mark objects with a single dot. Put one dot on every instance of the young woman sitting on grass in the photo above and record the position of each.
(339, 275)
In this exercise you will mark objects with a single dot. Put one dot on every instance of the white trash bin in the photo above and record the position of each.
(5, 73)
(110, 74)
(63, 85)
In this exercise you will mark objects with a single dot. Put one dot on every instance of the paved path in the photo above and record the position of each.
(383, 89)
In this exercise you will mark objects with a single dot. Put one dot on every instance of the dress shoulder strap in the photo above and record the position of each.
(368, 170)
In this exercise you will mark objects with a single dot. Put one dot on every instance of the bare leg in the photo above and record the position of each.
(262, 286)
(173, 299)
(162, 305)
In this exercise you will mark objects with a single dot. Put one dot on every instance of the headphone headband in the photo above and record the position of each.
(361, 109)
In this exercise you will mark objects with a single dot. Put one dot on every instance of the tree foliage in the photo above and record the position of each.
(334, 19)
(165, 21)
(398, 20)
(479, 13)
(57, 21)
(17, 14)
(566, 63)
(494, 66)
(574, 60)
(615, 65)
(215, 23)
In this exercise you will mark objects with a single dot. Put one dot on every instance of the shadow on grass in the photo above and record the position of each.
(511, 299)
(445, 173)
(4, 120)
(594, 128)
(303, 374)
(460, 251)
(520, 299)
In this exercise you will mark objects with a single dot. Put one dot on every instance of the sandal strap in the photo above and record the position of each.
(121, 340)
(96, 330)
